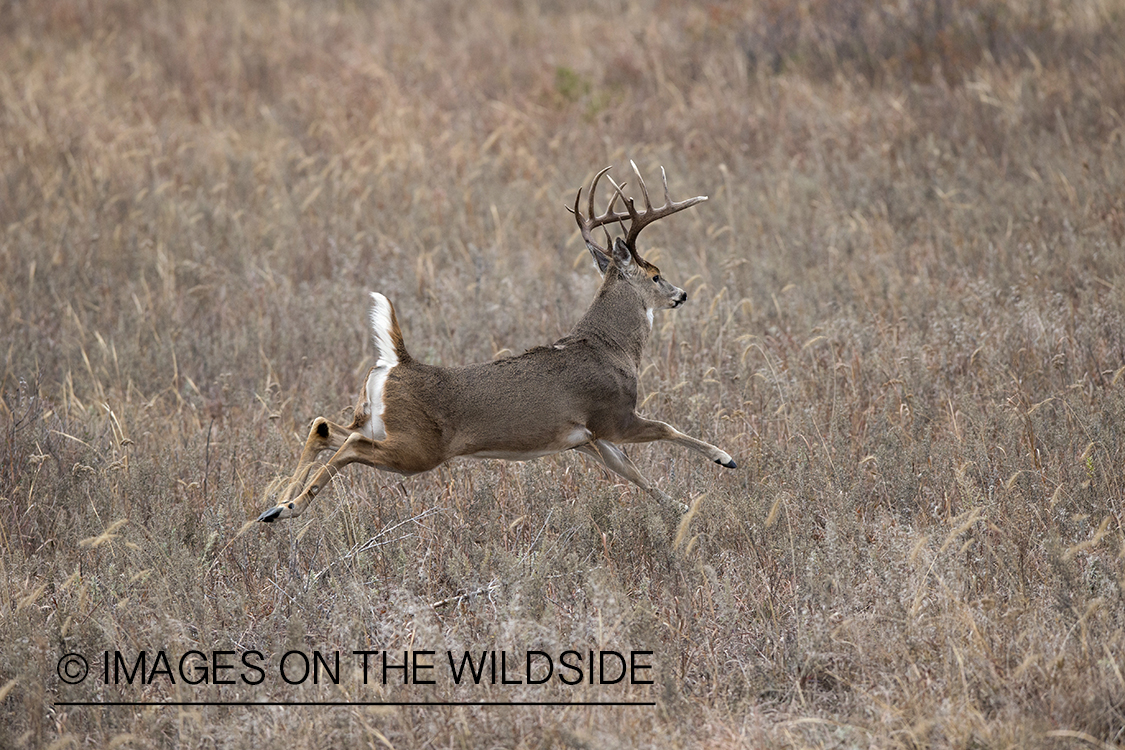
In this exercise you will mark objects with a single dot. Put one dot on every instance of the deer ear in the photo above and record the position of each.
(621, 254)
(600, 258)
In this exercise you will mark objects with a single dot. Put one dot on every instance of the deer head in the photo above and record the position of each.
(622, 257)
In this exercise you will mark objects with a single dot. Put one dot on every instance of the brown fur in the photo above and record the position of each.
(578, 394)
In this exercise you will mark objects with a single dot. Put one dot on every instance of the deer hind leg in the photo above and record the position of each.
(323, 435)
(614, 459)
(649, 430)
(391, 455)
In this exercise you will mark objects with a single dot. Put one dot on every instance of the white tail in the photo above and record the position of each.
(578, 394)
(388, 359)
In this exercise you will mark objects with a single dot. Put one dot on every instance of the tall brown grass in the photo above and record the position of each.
(906, 322)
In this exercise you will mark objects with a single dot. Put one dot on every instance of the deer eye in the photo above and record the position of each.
(656, 279)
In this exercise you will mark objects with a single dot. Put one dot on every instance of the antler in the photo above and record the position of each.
(638, 220)
(592, 221)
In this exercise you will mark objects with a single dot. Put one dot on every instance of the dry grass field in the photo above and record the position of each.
(906, 322)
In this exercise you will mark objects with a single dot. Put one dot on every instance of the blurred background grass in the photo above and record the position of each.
(905, 322)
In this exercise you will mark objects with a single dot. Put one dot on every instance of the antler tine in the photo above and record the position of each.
(664, 179)
(644, 188)
(594, 191)
(617, 190)
(613, 202)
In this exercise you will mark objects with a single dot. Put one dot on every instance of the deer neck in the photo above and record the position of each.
(617, 318)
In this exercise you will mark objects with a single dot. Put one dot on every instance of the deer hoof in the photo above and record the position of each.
(730, 464)
(270, 515)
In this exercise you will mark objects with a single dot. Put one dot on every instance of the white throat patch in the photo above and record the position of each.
(648, 314)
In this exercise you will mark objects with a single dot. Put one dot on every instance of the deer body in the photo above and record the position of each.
(578, 394)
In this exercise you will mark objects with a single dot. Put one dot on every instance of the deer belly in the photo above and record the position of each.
(509, 448)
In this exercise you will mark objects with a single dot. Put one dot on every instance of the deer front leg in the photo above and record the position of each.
(614, 459)
(649, 430)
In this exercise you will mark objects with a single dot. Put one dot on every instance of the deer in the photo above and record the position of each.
(579, 393)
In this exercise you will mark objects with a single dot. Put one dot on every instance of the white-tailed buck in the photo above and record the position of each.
(579, 394)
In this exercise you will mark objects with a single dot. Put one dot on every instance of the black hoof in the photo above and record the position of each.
(729, 464)
(270, 515)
